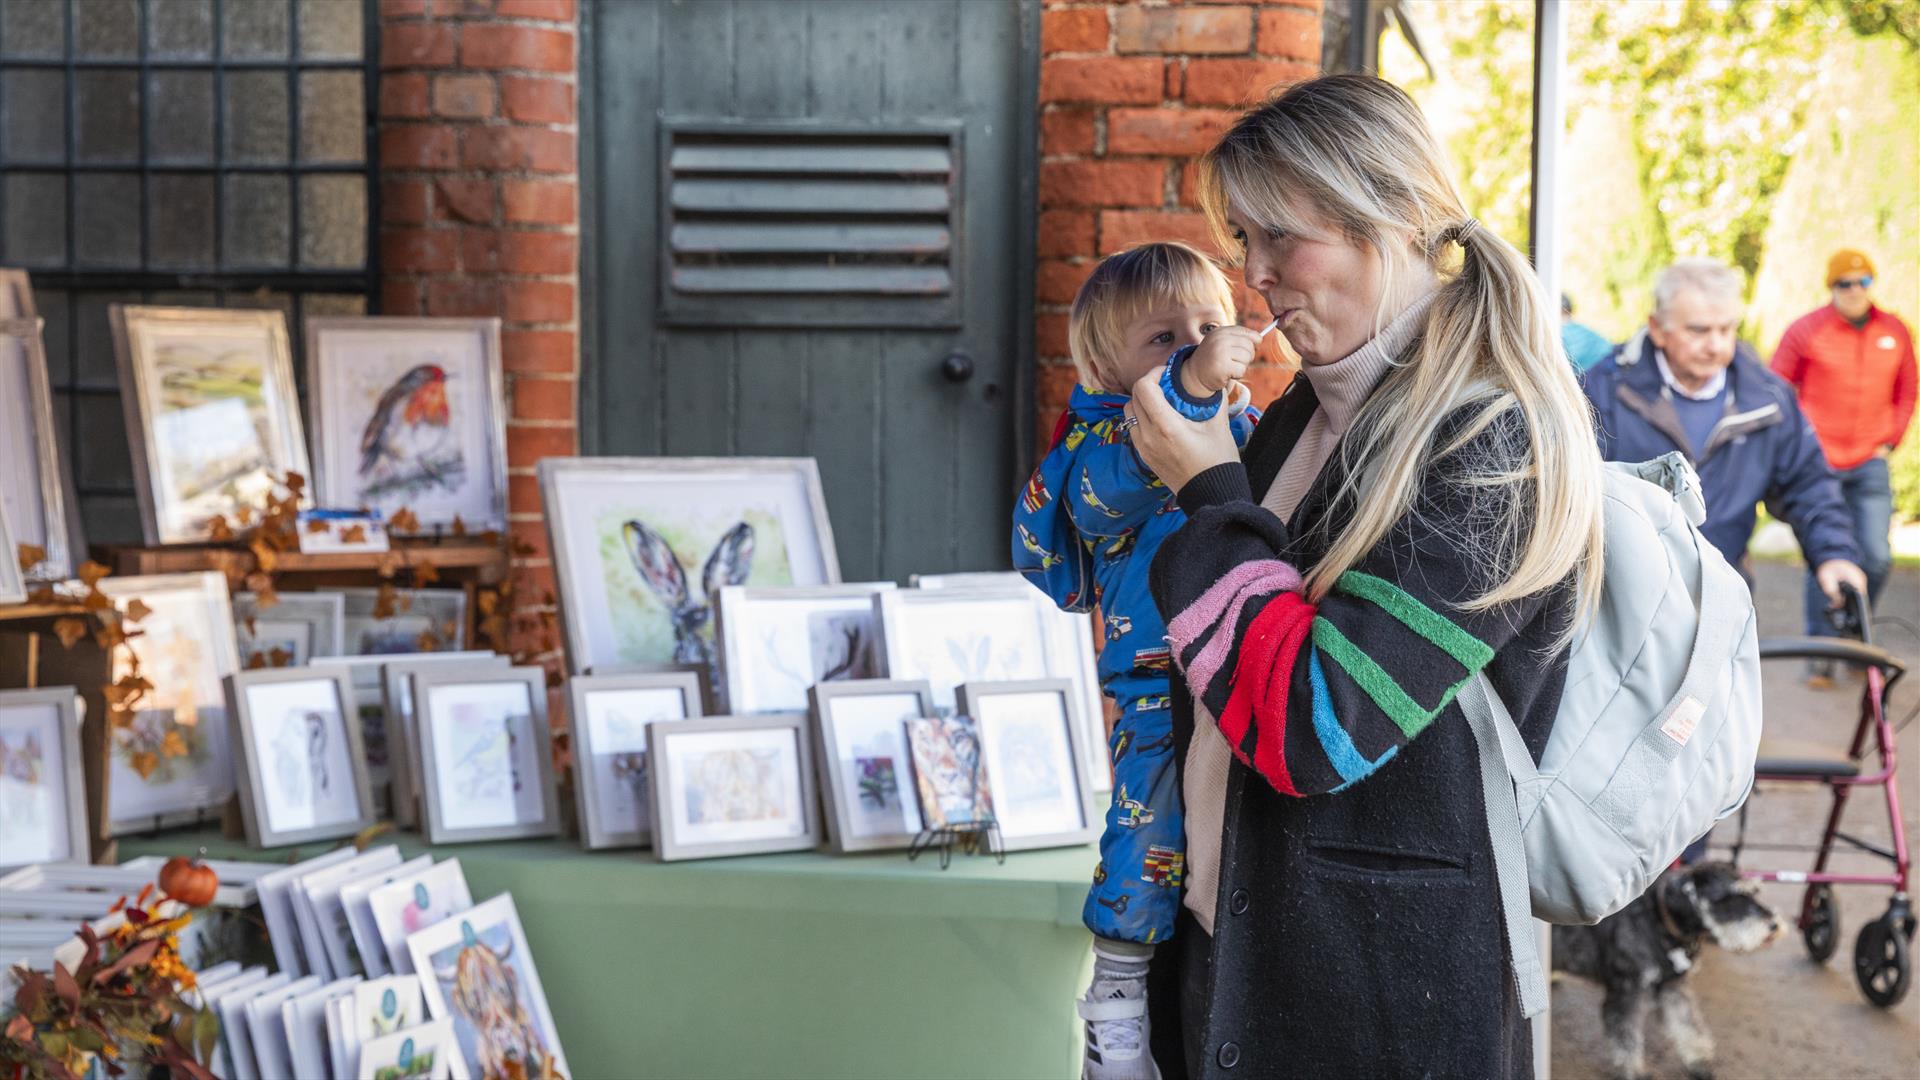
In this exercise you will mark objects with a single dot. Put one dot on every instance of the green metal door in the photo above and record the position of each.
(809, 231)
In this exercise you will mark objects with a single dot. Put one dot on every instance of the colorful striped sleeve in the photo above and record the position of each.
(1316, 697)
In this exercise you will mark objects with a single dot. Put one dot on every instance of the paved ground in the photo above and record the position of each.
(1775, 1013)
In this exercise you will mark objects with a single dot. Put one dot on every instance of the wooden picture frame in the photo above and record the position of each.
(328, 752)
(443, 372)
(483, 688)
(953, 636)
(37, 492)
(607, 749)
(1071, 654)
(844, 723)
(55, 714)
(628, 593)
(318, 619)
(416, 611)
(776, 642)
(186, 649)
(396, 673)
(16, 294)
(230, 358)
(709, 701)
(677, 785)
(1033, 819)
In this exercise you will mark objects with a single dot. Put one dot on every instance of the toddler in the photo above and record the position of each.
(1085, 531)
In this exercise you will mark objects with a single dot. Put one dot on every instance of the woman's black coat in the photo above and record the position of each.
(1357, 933)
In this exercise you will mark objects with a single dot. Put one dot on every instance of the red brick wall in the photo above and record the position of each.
(1130, 95)
(479, 200)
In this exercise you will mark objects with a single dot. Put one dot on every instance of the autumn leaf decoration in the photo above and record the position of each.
(119, 1008)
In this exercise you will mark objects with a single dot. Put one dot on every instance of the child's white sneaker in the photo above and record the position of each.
(1115, 1013)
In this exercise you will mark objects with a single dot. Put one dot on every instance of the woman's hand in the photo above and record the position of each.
(1175, 448)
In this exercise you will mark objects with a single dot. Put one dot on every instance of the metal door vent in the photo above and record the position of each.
(810, 227)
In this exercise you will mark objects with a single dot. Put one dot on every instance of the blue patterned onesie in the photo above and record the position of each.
(1084, 532)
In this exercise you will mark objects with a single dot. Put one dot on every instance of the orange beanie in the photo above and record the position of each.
(1847, 262)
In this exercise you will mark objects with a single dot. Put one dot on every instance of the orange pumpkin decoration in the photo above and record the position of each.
(189, 881)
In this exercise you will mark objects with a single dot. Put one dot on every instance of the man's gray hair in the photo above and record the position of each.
(1711, 278)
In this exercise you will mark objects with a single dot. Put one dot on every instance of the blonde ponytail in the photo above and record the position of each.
(1353, 151)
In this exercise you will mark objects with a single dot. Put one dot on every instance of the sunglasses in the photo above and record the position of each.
(1854, 283)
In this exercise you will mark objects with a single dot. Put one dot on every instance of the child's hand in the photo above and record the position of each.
(1220, 358)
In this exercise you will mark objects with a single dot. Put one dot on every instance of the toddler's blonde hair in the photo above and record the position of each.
(1123, 286)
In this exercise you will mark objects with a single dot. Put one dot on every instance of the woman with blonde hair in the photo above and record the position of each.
(1421, 506)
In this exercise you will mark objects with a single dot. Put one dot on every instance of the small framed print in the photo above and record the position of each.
(479, 973)
(402, 740)
(641, 544)
(303, 764)
(371, 954)
(173, 764)
(410, 904)
(328, 927)
(43, 802)
(293, 630)
(609, 720)
(710, 705)
(732, 785)
(211, 413)
(865, 762)
(1041, 793)
(776, 643)
(426, 1051)
(954, 636)
(486, 761)
(423, 620)
(36, 484)
(948, 779)
(407, 413)
(1071, 654)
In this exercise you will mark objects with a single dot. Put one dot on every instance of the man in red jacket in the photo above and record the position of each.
(1852, 365)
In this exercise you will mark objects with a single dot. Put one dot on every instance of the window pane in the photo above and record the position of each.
(36, 219)
(109, 114)
(180, 227)
(255, 29)
(180, 29)
(257, 116)
(52, 304)
(93, 339)
(106, 218)
(257, 231)
(36, 28)
(333, 222)
(104, 460)
(109, 519)
(329, 30)
(182, 106)
(332, 116)
(36, 117)
(107, 29)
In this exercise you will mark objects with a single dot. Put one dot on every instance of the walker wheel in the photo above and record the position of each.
(1822, 931)
(1880, 962)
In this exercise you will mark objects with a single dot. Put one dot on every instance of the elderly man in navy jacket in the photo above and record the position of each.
(1686, 383)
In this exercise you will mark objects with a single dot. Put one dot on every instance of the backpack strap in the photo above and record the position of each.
(1503, 759)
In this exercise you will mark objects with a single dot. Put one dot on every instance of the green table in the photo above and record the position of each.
(795, 965)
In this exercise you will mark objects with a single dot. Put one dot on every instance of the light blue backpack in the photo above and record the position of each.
(1657, 730)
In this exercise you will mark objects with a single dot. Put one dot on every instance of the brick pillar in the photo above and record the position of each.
(1130, 96)
(479, 203)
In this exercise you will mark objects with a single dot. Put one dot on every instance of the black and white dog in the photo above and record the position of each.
(1641, 956)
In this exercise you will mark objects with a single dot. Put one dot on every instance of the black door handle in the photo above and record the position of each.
(957, 367)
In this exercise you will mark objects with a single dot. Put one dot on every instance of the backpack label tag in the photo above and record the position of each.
(1686, 716)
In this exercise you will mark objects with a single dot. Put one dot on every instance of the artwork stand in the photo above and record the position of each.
(969, 837)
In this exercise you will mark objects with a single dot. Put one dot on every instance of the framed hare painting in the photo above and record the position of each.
(640, 546)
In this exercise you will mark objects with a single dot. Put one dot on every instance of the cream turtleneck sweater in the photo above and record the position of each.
(1341, 388)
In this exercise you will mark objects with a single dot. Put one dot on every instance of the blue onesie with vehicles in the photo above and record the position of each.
(1084, 532)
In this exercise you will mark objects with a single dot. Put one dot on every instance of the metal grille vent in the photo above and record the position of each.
(815, 228)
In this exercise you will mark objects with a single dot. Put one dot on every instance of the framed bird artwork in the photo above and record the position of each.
(409, 413)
